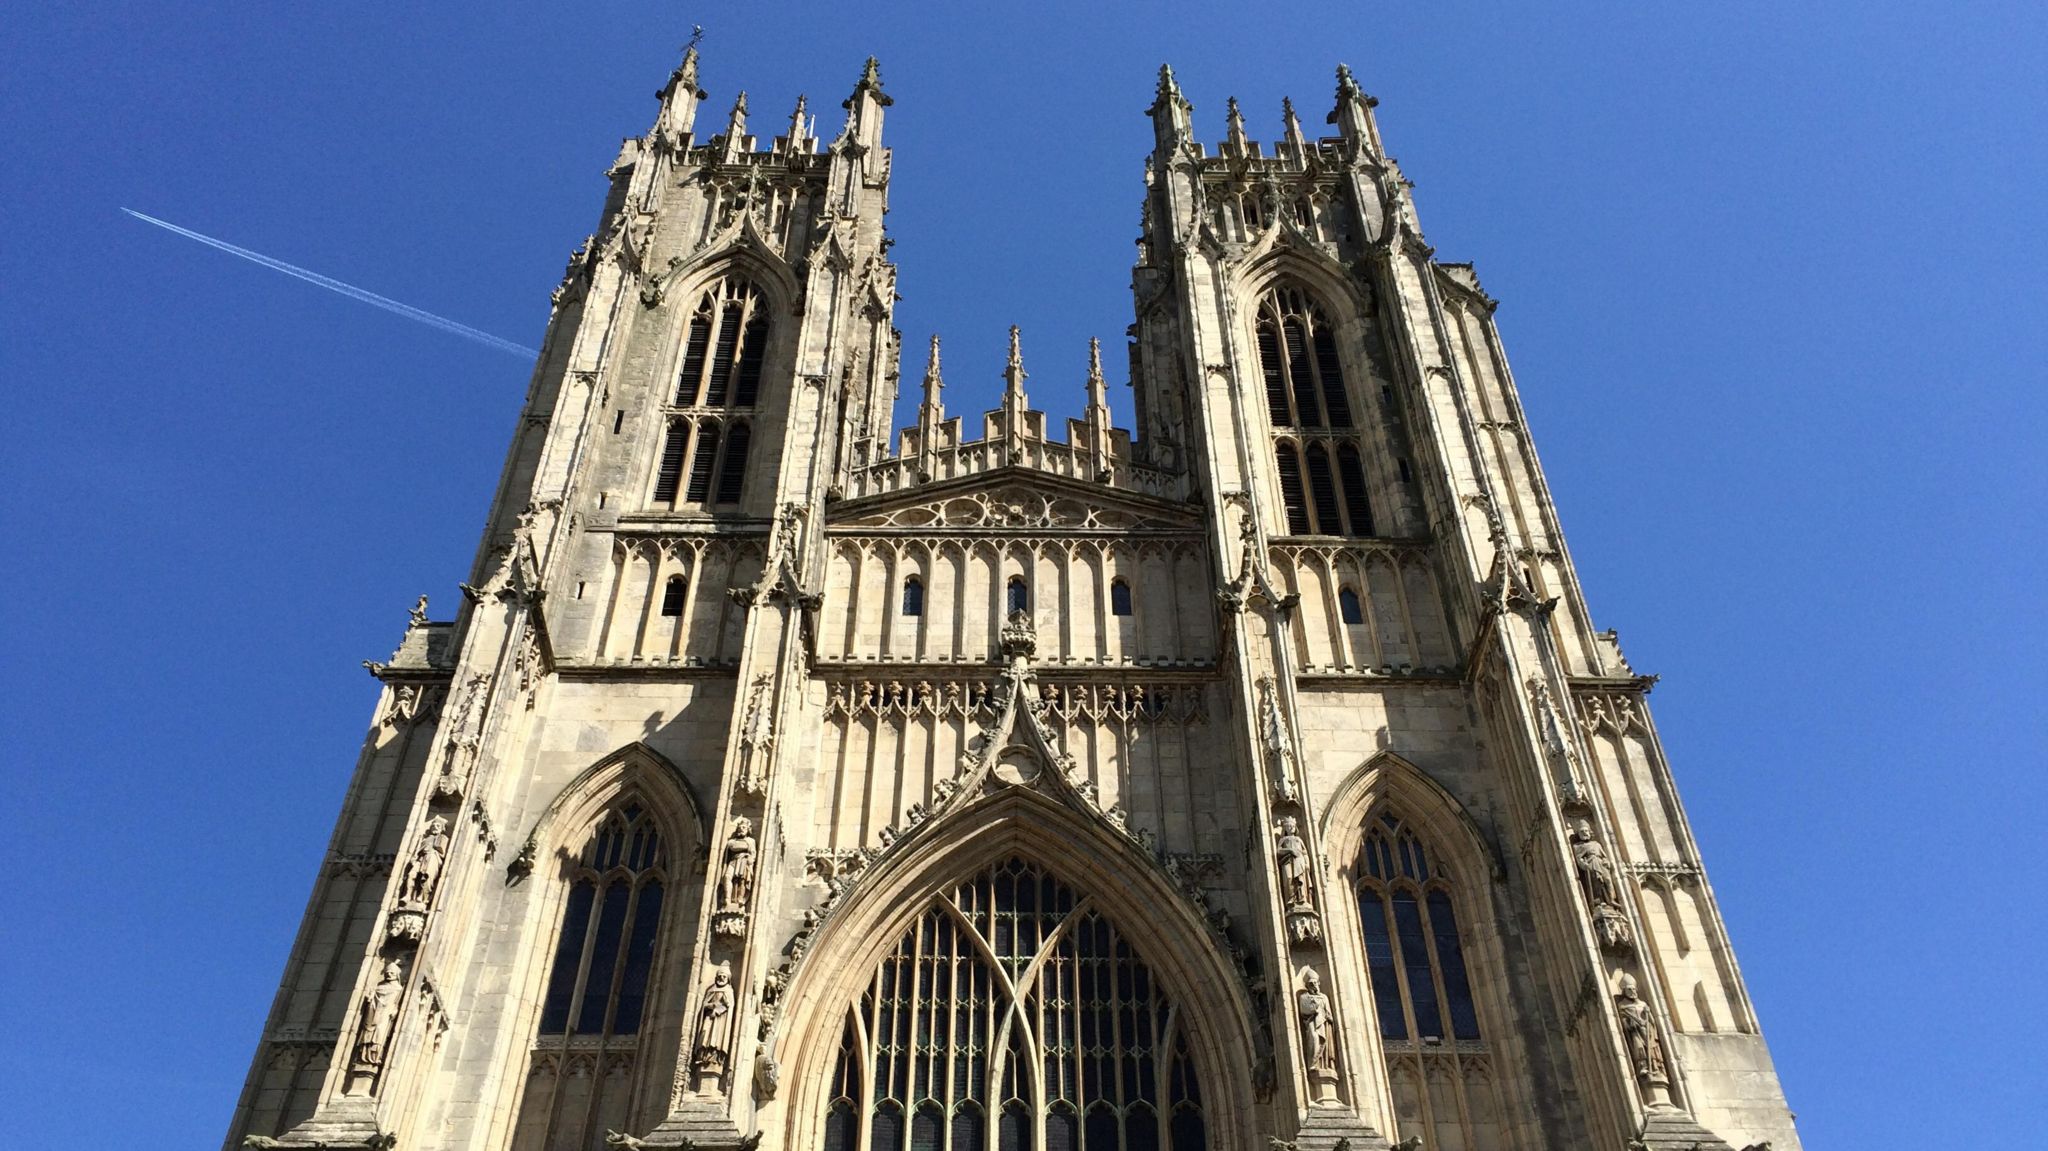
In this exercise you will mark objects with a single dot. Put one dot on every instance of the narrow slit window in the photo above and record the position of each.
(1323, 492)
(913, 596)
(673, 594)
(1292, 493)
(1348, 607)
(690, 381)
(733, 475)
(1357, 508)
(701, 463)
(1120, 597)
(723, 351)
(1276, 383)
(669, 476)
(753, 350)
(1019, 598)
(1331, 375)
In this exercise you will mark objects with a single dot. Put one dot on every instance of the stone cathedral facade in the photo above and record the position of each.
(1255, 779)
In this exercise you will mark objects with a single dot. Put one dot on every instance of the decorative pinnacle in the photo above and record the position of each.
(870, 81)
(1346, 86)
(1013, 373)
(1097, 396)
(932, 382)
(1167, 87)
(1236, 119)
(796, 118)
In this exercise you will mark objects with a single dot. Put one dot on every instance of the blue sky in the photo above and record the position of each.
(1772, 279)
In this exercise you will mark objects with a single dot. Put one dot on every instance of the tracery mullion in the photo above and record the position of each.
(864, 1052)
(916, 1083)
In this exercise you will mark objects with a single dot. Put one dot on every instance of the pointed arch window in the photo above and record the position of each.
(582, 1070)
(1014, 1016)
(724, 347)
(673, 595)
(1438, 1061)
(1348, 607)
(1019, 598)
(913, 596)
(1120, 597)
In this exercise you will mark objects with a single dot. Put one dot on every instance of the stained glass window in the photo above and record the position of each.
(1013, 998)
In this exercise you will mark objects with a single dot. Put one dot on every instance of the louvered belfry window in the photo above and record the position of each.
(724, 347)
(1014, 1016)
(703, 460)
(1316, 460)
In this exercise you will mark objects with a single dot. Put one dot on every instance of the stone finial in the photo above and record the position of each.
(1169, 111)
(932, 381)
(1353, 113)
(1167, 86)
(870, 84)
(1347, 86)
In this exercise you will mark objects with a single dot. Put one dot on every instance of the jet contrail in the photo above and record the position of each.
(349, 290)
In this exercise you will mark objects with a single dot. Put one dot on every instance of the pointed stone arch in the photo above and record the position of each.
(635, 768)
(1284, 259)
(1389, 778)
(739, 249)
(1087, 854)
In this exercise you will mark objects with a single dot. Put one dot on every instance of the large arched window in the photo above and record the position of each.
(1013, 1016)
(586, 1054)
(1438, 1063)
(724, 348)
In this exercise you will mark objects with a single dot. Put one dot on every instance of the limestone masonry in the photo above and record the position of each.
(1253, 780)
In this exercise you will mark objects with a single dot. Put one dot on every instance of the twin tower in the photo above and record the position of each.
(1252, 780)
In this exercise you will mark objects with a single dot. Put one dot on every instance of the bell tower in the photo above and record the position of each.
(1253, 779)
(1342, 399)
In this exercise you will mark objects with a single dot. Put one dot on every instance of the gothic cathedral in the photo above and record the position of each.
(1252, 780)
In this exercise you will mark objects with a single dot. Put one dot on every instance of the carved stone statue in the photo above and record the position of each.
(419, 612)
(736, 877)
(380, 1012)
(1639, 1031)
(1596, 870)
(714, 1022)
(1318, 1026)
(1292, 851)
(424, 870)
